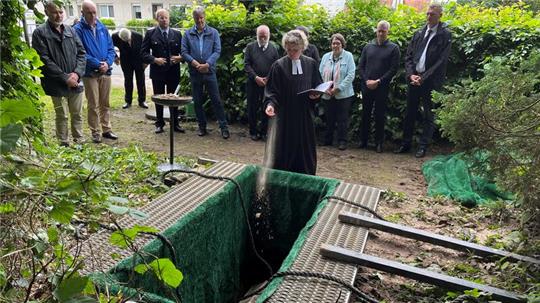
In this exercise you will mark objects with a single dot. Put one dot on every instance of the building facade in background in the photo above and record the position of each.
(122, 11)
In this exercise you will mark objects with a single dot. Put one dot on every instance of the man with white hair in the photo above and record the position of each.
(378, 64)
(425, 67)
(64, 60)
(97, 78)
(129, 43)
(258, 58)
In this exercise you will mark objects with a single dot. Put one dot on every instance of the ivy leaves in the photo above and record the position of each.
(164, 270)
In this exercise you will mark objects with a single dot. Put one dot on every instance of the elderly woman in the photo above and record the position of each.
(291, 141)
(338, 66)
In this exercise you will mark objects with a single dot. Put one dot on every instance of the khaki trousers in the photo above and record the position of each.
(97, 91)
(71, 104)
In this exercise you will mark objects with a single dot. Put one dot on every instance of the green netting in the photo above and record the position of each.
(212, 244)
(452, 176)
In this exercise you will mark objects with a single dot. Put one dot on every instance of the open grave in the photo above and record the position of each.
(206, 224)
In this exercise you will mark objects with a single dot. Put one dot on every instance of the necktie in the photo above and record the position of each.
(167, 52)
(422, 46)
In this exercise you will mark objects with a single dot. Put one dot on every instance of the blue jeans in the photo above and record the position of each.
(198, 82)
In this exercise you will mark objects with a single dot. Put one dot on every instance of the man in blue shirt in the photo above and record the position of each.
(97, 77)
(201, 48)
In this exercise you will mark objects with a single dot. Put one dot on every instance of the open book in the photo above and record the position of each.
(321, 88)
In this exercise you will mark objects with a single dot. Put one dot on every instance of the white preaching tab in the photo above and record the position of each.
(321, 88)
(296, 67)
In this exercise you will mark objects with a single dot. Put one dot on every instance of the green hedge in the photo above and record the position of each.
(479, 33)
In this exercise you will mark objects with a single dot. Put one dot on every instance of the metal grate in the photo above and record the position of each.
(329, 230)
(162, 213)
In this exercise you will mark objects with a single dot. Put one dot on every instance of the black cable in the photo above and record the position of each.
(306, 274)
(242, 202)
(369, 210)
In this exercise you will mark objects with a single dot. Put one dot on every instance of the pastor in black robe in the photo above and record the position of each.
(291, 141)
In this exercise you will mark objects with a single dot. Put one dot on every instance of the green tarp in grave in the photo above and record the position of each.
(452, 176)
(212, 242)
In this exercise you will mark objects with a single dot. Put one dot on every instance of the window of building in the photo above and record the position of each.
(106, 10)
(136, 11)
(69, 10)
(155, 7)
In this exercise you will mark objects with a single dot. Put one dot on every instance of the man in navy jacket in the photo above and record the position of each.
(97, 76)
(161, 49)
(425, 67)
(129, 44)
(201, 48)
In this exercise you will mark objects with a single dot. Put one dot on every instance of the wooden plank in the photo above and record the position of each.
(429, 237)
(419, 274)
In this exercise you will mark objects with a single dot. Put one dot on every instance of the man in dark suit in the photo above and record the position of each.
(161, 49)
(258, 58)
(129, 44)
(425, 67)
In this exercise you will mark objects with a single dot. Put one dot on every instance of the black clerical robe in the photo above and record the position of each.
(291, 140)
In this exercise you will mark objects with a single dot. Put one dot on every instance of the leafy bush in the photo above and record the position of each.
(52, 198)
(19, 93)
(108, 22)
(500, 114)
(141, 23)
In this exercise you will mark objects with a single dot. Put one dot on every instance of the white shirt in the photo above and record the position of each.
(296, 67)
(264, 47)
(421, 65)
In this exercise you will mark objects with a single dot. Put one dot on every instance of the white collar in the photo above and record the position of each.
(264, 47)
(296, 67)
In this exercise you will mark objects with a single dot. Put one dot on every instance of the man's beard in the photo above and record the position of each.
(262, 41)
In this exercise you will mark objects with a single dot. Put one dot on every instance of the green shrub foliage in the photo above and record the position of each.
(500, 114)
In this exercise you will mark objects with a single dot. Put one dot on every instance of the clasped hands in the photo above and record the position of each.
(73, 80)
(416, 80)
(261, 81)
(200, 67)
(163, 61)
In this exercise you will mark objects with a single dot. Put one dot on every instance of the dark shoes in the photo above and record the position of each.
(110, 135)
(96, 138)
(421, 152)
(363, 144)
(402, 149)
(143, 104)
(225, 133)
(126, 105)
(378, 148)
(342, 146)
(255, 137)
(202, 132)
(159, 129)
(64, 144)
(179, 129)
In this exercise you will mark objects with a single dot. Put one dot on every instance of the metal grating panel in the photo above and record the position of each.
(329, 230)
(162, 213)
